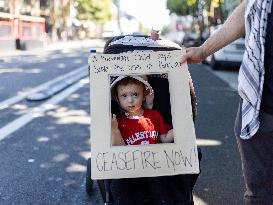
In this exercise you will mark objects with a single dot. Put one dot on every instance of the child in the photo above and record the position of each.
(137, 125)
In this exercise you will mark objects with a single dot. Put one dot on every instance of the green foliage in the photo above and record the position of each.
(166, 29)
(94, 10)
(143, 29)
(182, 7)
(216, 3)
(192, 7)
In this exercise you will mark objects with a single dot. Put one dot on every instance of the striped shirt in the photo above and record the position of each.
(251, 74)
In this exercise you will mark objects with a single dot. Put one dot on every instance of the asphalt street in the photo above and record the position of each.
(221, 181)
(20, 73)
(44, 162)
(43, 159)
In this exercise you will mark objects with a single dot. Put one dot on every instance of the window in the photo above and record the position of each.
(5, 30)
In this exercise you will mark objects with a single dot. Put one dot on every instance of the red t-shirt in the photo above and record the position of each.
(144, 130)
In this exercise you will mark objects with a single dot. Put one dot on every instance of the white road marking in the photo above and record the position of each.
(10, 101)
(230, 77)
(39, 111)
(57, 87)
(208, 142)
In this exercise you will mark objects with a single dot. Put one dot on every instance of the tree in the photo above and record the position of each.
(182, 7)
(205, 12)
(94, 10)
(196, 8)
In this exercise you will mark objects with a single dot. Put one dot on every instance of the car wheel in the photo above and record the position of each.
(214, 63)
(88, 180)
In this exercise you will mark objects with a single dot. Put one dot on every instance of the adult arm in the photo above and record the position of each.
(232, 29)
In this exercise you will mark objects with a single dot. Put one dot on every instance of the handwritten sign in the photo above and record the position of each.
(109, 161)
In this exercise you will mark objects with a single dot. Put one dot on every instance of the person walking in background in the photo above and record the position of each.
(254, 120)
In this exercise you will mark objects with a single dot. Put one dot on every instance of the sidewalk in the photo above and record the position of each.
(58, 45)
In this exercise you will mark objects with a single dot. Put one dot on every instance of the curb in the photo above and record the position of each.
(59, 45)
(58, 86)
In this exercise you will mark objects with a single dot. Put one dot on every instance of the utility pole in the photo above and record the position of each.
(53, 19)
(117, 3)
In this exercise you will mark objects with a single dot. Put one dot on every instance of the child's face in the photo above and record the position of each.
(131, 97)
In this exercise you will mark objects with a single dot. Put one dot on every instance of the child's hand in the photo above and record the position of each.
(114, 123)
(167, 138)
(116, 135)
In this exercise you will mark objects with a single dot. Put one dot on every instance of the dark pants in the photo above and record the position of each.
(257, 161)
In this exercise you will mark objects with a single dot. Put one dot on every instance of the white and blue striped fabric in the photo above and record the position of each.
(251, 74)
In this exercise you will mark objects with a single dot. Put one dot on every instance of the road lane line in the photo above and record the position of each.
(57, 87)
(10, 101)
(39, 111)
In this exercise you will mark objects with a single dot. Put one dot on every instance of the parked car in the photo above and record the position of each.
(109, 34)
(190, 39)
(231, 55)
(175, 36)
